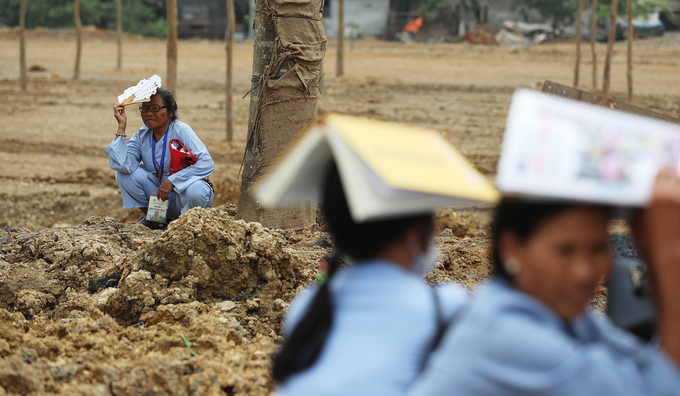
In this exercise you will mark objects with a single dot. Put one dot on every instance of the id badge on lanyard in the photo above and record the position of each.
(159, 172)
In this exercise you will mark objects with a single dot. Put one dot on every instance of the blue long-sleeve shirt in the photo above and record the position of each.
(509, 343)
(126, 157)
(384, 324)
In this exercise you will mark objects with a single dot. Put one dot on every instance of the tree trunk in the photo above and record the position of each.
(119, 31)
(341, 38)
(610, 47)
(171, 73)
(274, 123)
(593, 38)
(231, 20)
(631, 36)
(22, 45)
(79, 38)
(579, 16)
(264, 35)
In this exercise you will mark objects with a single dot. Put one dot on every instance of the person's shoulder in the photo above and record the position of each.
(452, 297)
(499, 295)
(182, 126)
(514, 317)
(298, 307)
(142, 132)
(383, 277)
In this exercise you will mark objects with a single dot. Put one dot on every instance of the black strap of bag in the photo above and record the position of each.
(442, 324)
(630, 302)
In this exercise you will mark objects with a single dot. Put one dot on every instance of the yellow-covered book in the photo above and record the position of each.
(387, 170)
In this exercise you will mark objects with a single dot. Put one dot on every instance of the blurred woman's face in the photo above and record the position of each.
(562, 263)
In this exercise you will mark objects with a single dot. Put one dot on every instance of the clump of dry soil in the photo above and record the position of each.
(104, 308)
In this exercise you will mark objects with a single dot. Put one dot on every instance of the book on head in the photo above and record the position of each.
(387, 170)
(560, 149)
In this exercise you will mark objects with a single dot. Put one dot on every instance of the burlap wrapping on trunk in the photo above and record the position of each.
(288, 104)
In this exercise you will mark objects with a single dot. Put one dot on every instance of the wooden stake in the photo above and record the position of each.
(79, 38)
(610, 47)
(579, 16)
(171, 72)
(231, 21)
(593, 38)
(631, 36)
(341, 38)
(119, 31)
(22, 45)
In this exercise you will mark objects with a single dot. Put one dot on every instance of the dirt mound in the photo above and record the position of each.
(226, 257)
(108, 308)
(464, 260)
(208, 256)
(465, 223)
(55, 260)
(480, 37)
(206, 354)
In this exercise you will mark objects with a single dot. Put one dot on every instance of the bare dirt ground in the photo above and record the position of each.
(93, 305)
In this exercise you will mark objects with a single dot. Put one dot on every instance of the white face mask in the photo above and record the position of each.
(424, 261)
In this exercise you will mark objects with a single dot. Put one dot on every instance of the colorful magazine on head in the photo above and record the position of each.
(558, 148)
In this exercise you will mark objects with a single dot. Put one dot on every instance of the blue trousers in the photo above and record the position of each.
(138, 186)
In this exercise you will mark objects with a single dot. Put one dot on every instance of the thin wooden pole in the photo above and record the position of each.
(593, 38)
(341, 38)
(171, 72)
(610, 47)
(231, 20)
(119, 31)
(22, 45)
(579, 16)
(631, 36)
(79, 38)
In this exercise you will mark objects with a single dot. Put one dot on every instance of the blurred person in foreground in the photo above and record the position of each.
(142, 164)
(528, 331)
(366, 330)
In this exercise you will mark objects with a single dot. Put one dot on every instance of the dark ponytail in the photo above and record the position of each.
(306, 341)
(359, 241)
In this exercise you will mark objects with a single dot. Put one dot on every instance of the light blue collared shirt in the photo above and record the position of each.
(509, 343)
(384, 324)
(126, 157)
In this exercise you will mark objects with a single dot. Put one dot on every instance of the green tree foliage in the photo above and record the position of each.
(144, 17)
(561, 13)
(641, 8)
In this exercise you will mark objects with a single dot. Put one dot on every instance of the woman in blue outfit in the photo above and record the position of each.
(142, 164)
(367, 329)
(528, 331)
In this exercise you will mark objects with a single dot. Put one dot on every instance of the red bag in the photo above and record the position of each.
(180, 156)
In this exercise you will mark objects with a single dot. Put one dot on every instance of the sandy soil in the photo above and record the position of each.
(93, 305)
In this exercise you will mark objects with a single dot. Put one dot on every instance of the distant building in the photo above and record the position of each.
(208, 18)
(497, 11)
(363, 18)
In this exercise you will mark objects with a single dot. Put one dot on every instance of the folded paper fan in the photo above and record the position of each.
(142, 91)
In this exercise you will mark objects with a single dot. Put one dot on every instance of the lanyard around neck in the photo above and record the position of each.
(159, 172)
